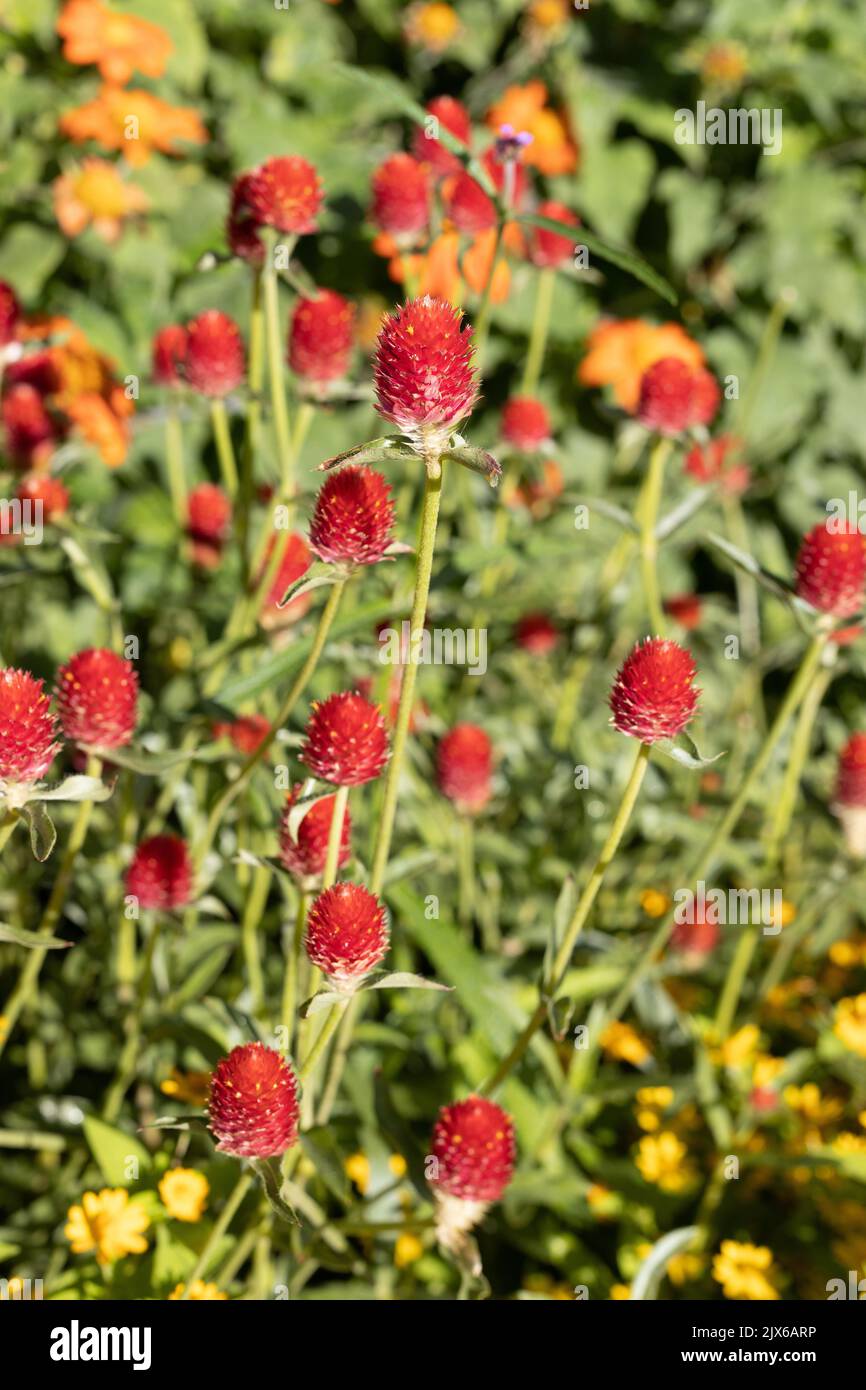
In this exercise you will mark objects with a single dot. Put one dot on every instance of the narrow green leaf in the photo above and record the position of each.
(618, 256)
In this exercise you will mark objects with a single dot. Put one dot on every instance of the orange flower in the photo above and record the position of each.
(99, 425)
(619, 352)
(119, 43)
(434, 26)
(439, 274)
(553, 151)
(95, 193)
(476, 267)
(134, 122)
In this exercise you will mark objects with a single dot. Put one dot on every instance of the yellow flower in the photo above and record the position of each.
(397, 1165)
(846, 1143)
(357, 1168)
(620, 1292)
(199, 1292)
(786, 914)
(739, 1047)
(850, 1025)
(433, 26)
(663, 1159)
(654, 903)
(808, 1102)
(620, 1041)
(766, 1069)
(549, 14)
(745, 1271)
(861, 1118)
(847, 953)
(659, 1096)
(109, 1223)
(184, 1193)
(685, 1267)
(407, 1249)
(190, 1087)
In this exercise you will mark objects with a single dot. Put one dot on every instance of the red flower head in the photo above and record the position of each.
(346, 740)
(285, 193)
(160, 874)
(169, 354)
(464, 764)
(253, 1103)
(354, 517)
(551, 249)
(653, 697)
(347, 933)
(39, 487)
(831, 568)
(27, 727)
(305, 856)
(215, 354)
(525, 423)
(696, 940)
(294, 564)
(10, 313)
(208, 519)
(451, 114)
(321, 337)
(247, 733)
(473, 1145)
(241, 226)
(719, 462)
(468, 206)
(685, 609)
(401, 196)
(675, 396)
(851, 775)
(425, 380)
(97, 696)
(536, 634)
(28, 425)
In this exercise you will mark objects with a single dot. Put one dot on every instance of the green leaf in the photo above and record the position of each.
(33, 940)
(78, 788)
(318, 576)
(404, 979)
(323, 1151)
(686, 757)
(646, 1282)
(200, 962)
(749, 564)
(618, 256)
(477, 461)
(268, 1172)
(43, 836)
(113, 1150)
(148, 764)
(186, 1123)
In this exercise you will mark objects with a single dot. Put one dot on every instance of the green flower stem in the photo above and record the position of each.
(335, 833)
(224, 447)
(581, 912)
(255, 381)
(306, 1049)
(253, 909)
(485, 308)
(338, 1059)
(265, 565)
(7, 825)
(540, 326)
(766, 353)
(290, 979)
(277, 371)
(174, 464)
(747, 587)
(131, 1050)
(29, 976)
(323, 1038)
(221, 1225)
(466, 861)
(648, 510)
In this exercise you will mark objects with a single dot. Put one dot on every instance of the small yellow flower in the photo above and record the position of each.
(190, 1087)
(357, 1168)
(850, 1025)
(861, 1118)
(739, 1047)
(199, 1292)
(663, 1159)
(846, 1143)
(549, 14)
(659, 1096)
(407, 1249)
(766, 1069)
(184, 1193)
(620, 1293)
(685, 1268)
(398, 1165)
(848, 953)
(724, 65)
(745, 1271)
(620, 1041)
(808, 1101)
(4, 1026)
(654, 903)
(433, 26)
(109, 1223)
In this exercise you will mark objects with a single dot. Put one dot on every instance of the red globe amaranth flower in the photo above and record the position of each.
(536, 634)
(696, 940)
(321, 337)
(674, 396)
(295, 561)
(831, 568)
(27, 727)
(720, 461)
(468, 206)
(525, 423)
(347, 933)
(424, 377)
(474, 1148)
(685, 609)
(401, 197)
(346, 740)
(242, 229)
(464, 766)
(653, 696)
(305, 855)
(551, 249)
(29, 428)
(208, 521)
(160, 874)
(10, 313)
(452, 114)
(849, 801)
(285, 193)
(354, 517)
(50, 492)
(215, 354)
(248, 732)
(169, 355)
(253, 1103)
(97, 698)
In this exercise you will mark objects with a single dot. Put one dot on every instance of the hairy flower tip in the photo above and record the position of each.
(451, 114)
(160, 873)
(50, 492)
(401, 196)
(551, 249)
(346, 740)
(347, 933)
(253, 1103)
(294, 563)
(10, 313)
(285, 193)
(242, 229)
(321, 337)
(215, 354)
(675, 396)
(247, 733)
(27, 727)
(424, 376)
(525, 423)
(168, 355)
(464, 766)
(304, 854)
(468, 206)
(97, 698)
(831, 568)
(354, 517)
(653, 696)
(474, 1150)
(536, 633)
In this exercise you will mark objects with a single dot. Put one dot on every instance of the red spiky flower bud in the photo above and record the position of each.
(321, 337)
(214, 354)
(10, 313)
(50, 492)
(653, 696)
(253, 1103)
(346, 740)
(464, 766)
(247, 733)
(27, 727)
(28, 424)
(551, 249)
(208, 521)
(468, 206)
(401, 197)
(97, 697)
(452, 114)
(525, 423)
(831, 568)
(536, 633)
(354, 517)
(471, 1163)
(242, 229)
(694, 941)
(285, 193)
(720, 461)
(304, 854)
(347, 934)
(169, 355)
(849, 801)
(160, 873)
(425, 380)
(685, 609)
(675, 396)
